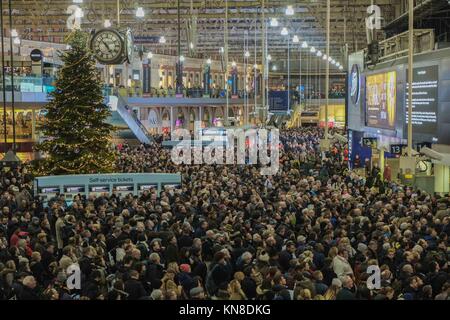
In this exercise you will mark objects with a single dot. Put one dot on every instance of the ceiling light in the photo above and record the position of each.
(14, 33)
(295, 39)
(209, 61)
(162, 40)
(304, 45)
(140, 12)
(289, 11)
(107, 23)
(338, 64)
(329, 59)
(313, 50)
(319, 53)
(284, 31)
(150, 55)
(269, 57)
(17, 40)
(333, 61)
(341, 68)
(182, 58)
(274, 22)
(222, 50)
(255, 66)
(233, 64)
(191, 45)
(325, 57)
(77, 1)
(247, 54)
(274, 68)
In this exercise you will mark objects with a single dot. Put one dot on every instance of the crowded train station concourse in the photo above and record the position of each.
(225, 150)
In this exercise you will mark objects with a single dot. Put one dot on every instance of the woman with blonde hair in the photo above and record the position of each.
(235, 291)
(332, 291)
(304, 294)
(168, 283)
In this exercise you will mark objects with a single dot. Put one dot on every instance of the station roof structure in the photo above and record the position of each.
(203, 23)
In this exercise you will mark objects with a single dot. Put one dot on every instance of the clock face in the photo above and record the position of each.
(107, 46)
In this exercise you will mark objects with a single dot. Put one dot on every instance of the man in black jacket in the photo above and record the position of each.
(134, 287)
(28, 291)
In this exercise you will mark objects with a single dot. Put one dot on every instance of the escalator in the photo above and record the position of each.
(278, 119)
(295, 117)
(125, 120)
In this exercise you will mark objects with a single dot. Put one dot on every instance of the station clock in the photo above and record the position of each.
(111, 46)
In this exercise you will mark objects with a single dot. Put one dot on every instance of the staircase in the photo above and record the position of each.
(123, 113)
(295, 116)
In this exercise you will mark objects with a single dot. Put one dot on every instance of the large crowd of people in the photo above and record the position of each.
(311, 232)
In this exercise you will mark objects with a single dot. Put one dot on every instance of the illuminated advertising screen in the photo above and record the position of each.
(381, 99)
(424, 101)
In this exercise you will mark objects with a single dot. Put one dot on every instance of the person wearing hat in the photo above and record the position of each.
(197, 293)
(185, 279)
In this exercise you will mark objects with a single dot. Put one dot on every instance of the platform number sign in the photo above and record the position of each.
(397, 149)
(370, 143)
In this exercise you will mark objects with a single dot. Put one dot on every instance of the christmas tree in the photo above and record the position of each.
(77, 138)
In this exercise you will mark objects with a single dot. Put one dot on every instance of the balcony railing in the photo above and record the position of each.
(30, 84)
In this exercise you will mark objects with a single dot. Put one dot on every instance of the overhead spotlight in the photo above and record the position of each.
(191, 45)
(274, 68)
(319, 53)
(313, 50)
(209, 61)
(269, 57)
(17, 41)
(150, 55)
(79, 13)
(290, 11)
(304, 45)
(162, 39)
(284, 31)
(233, 64)
(325, 57)
(247, 54)
(140, 12)
(295, 39)
(14, 33)
(274, 22)
(107, 23)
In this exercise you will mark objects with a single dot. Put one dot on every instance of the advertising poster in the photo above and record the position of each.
(381, 98)
(278, 101)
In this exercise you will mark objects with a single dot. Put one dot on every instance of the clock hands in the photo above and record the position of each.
(106, 44)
